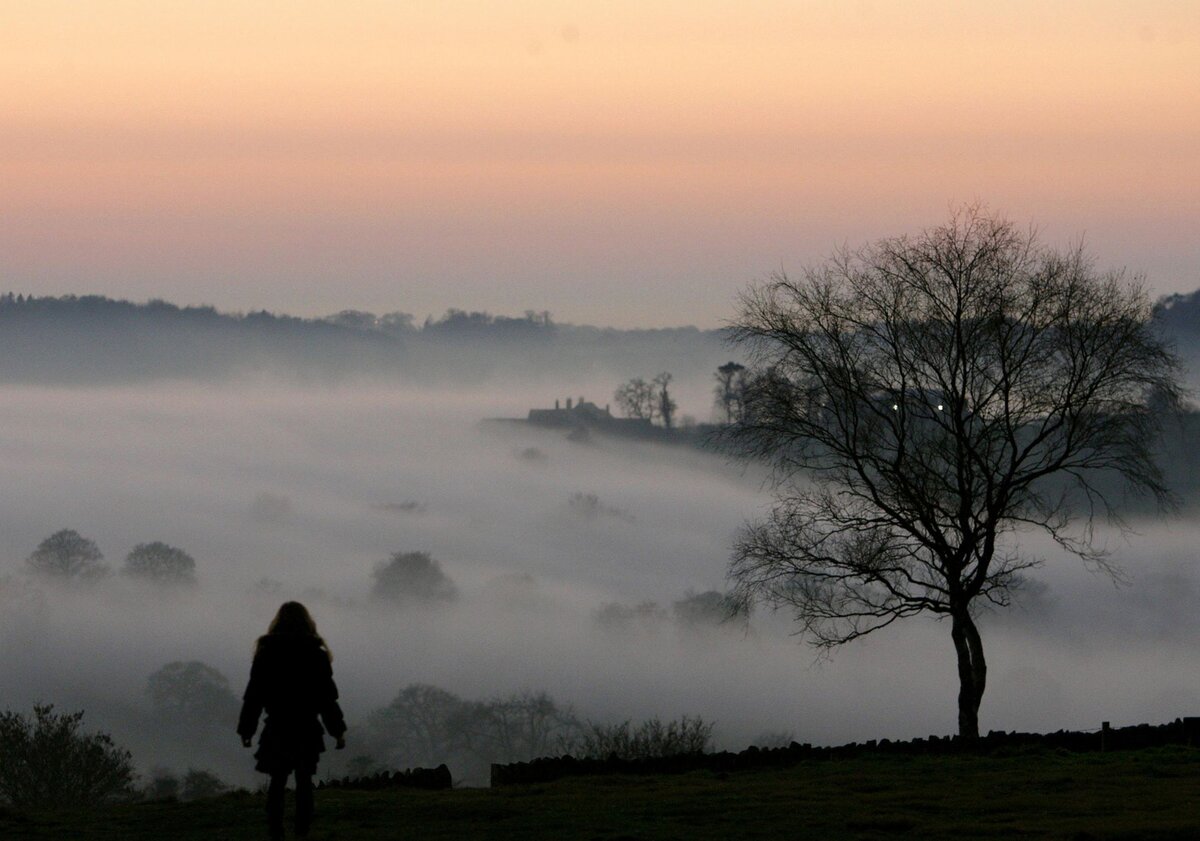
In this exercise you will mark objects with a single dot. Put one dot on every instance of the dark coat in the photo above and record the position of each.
(291, 678)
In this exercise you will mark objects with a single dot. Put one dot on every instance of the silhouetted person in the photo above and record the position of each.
(292, 679)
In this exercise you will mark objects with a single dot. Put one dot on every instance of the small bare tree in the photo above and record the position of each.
(636, 399)
(731, 385)
(664, 406)
(923, 399)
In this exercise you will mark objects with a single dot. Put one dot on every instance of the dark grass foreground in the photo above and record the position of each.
(1147, 794)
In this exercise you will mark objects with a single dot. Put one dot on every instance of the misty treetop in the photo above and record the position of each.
(412, 578)
(160, 563)
(192, 694)
(67, 554)
(426, 725)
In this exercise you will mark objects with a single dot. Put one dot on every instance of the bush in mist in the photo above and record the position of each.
(693, 611)
(589, 505)
(47, 763)
(270, 509)
(163, 785)
(709, 608)
(412, 577)
(192, 693)
(617, 616)
(773, 739)
(198, 784)
(160, 563)
(426, 726)
(409, 506)
(68, 554)
(651, 738)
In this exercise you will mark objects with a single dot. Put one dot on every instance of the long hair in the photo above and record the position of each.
(293, 619)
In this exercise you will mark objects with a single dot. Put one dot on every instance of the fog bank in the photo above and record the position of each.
(281, 492)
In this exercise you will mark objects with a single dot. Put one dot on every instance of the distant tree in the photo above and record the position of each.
(163, 785)
(589, 505)
(271, 508)
(160, 563)
(517, 728)
(422, 726)
(47, 763)
(353, 320)
(773, 738)
(707, 608)
(67, 554)
(636, 399)
(730, 390)
(665, 405)
(192, 693)
(412, 577)
(396, 322)
(199, 784)
(616, 616)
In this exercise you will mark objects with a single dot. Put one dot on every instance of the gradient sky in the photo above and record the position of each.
(624, 163)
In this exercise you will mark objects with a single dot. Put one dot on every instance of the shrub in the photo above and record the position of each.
(651, 738)
(47, 763)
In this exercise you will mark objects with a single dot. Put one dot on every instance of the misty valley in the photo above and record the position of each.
(530, 586)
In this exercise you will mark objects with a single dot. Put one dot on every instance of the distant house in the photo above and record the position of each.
(581, 413)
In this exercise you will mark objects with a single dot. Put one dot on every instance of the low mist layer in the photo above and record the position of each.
(551, 547)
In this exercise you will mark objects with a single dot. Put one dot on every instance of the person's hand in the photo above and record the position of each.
(341, 743)
(245, 742)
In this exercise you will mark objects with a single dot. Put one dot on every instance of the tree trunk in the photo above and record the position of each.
(972, 673)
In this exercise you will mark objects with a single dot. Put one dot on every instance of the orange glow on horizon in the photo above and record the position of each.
(702, 120)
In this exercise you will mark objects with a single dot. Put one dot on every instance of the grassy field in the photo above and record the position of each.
(1150, 794)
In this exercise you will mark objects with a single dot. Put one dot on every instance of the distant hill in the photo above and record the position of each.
(92, 339)
(95, 339)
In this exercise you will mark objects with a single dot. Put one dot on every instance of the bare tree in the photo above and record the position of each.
(731, 384)
(663, 403)
(650, 401)
(923, 400)
(517, 728)
(421, 726)
(636, 399)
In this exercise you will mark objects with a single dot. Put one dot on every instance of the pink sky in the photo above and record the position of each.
(625, 163)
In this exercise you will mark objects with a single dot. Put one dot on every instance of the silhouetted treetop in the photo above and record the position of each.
(68, 554)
